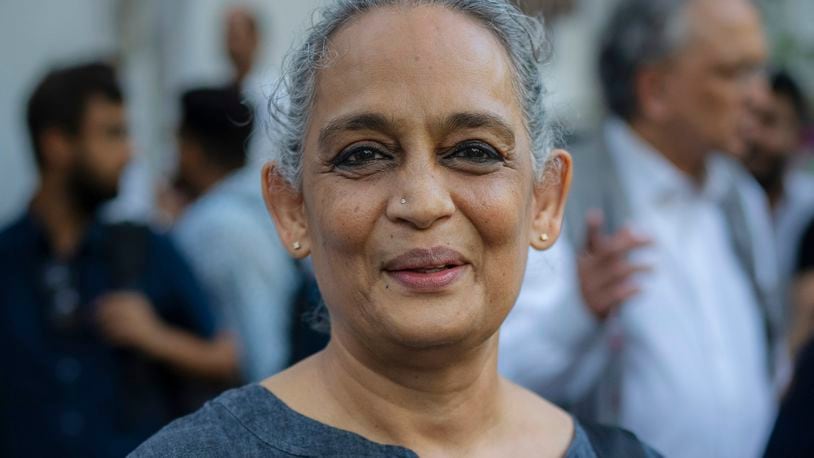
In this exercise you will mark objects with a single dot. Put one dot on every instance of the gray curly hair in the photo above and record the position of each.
(522, 36)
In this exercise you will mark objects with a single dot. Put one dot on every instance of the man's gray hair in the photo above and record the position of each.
(523, 38)
(638, 33)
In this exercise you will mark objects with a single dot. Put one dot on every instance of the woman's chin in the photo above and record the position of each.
(430, 331)
(458, 318)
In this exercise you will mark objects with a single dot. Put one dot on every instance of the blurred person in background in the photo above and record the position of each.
(98, 322)
(776, 143)
(774, 148)
(242, 42)
(674, 331)
(792, 436)
(227, 234)
(802, 291)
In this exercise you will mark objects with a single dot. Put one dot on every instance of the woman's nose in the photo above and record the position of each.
(420, 198)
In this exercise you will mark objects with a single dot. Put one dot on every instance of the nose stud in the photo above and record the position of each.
(403, 201)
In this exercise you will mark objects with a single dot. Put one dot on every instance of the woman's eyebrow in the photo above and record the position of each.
(354, 122)
(480, 120)
(467, 120)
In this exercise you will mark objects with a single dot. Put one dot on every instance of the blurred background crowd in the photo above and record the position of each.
(140, 273)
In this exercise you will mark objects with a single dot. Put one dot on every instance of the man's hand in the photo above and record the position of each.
(128, 319)
(604, 269)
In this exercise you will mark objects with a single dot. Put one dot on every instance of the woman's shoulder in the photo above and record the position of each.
(577, 439)
(214, 430)
(253, 421)
(594, 440)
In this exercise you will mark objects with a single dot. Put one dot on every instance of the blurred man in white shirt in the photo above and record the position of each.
(673, 326)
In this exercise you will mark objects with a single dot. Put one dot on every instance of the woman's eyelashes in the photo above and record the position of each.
(471, 155)
(360, 157)
(476, 152)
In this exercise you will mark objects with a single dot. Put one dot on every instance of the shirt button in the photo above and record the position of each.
(71, 423)
(68, 370)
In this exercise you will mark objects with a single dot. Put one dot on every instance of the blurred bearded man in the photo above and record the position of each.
(96, 320)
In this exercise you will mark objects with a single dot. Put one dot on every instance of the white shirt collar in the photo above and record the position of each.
(650, 179)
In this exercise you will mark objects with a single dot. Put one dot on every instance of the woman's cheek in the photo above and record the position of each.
(347, 216)
(497, 210)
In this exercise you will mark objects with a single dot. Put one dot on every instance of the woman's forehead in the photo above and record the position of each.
(413, 31)
(427, 59)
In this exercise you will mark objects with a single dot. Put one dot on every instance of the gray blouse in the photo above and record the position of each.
(253, 422)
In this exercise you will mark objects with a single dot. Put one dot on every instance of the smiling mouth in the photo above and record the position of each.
(428, 279)
(427, 270)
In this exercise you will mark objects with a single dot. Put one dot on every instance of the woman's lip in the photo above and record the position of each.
(425, 259)
(428, 281)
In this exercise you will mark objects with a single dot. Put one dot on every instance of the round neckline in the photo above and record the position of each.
(268, 414)
(265, 415)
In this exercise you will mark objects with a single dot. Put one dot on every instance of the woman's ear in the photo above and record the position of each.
(285, 204)
(550, 196)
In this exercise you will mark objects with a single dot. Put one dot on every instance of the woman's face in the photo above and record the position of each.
(418, 200)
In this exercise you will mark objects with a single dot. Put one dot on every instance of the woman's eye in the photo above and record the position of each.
(475, 152)
(359, 156)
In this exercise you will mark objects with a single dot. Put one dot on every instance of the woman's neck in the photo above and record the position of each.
(425, 403)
